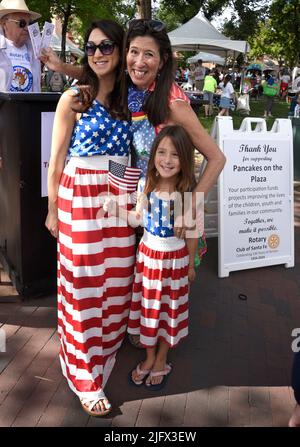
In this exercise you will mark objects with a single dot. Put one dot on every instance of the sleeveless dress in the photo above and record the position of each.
(144, 134)
(95, 258)
(159, 305)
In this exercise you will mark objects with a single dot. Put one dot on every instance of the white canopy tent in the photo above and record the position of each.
(55, 44)
(199, 34)
(207, 57)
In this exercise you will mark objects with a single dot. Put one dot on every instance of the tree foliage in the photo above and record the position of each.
(76, 15)
(178, 12)
(279, 35)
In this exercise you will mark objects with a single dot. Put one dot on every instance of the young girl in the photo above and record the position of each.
(165, 263)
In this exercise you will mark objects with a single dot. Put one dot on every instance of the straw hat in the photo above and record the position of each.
(11, 6)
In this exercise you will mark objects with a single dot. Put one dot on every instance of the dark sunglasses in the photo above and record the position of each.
(22, 22)
(106, 47)
(141, 24)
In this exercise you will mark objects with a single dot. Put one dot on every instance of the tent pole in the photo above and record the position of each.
(234, 53)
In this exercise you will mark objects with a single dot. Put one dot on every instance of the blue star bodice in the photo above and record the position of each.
(158, 218)
(97, 133)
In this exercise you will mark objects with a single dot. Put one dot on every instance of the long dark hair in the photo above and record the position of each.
(227, 79)
(185, 150)
(88, 84)
(156, 106)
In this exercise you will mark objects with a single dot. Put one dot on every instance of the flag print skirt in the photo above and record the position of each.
(95, 272)
(159, 306)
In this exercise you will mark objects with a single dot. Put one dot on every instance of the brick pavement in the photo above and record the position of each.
(232, 370)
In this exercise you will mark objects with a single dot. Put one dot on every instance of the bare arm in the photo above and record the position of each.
(134, 218)
(192, 244)
(54, 63)
(183, 114)
(62, 130)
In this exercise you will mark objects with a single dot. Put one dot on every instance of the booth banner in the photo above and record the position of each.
(46, 137)
(256, 198)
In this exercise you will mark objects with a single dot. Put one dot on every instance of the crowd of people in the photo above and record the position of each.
(125, 108)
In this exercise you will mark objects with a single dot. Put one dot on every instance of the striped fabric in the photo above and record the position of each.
(95, 268)
(159, 306)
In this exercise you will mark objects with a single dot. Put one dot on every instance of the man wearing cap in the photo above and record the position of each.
(19, 70)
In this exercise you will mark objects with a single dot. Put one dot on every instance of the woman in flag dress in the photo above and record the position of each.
(154, 100)
(95, 258)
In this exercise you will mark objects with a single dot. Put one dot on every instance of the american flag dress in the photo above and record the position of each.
(159, 305)
(95, 256)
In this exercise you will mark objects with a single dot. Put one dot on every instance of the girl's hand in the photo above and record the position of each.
(52, 223)
(191, 274)
(109, 206)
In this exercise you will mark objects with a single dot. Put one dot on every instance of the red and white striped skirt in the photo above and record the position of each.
(95, 273)
(159, 305)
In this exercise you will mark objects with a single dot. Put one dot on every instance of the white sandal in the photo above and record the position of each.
(88, 405)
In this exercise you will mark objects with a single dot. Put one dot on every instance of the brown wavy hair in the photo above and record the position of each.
(185, 150)
(88, 84)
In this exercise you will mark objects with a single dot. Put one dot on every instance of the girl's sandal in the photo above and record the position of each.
(88, 405)
(164, 374)
(141, 373)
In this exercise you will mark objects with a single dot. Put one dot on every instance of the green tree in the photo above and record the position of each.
(279, 35)
(77, 14)
(245, 18)
(178, 12)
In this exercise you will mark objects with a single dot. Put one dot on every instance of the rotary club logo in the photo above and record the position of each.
(273, 241)
(22, 80)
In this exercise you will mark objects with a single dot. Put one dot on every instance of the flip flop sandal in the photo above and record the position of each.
(165, 373)
(140, 372)
(134, 340)
(88, 405)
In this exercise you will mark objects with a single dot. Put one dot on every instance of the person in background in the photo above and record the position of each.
(226, 95)
(284, 83)
(55, 82)
(295, 106)
(191, 76)
(199, 75)
(209, 88)
(270, 89)
(20, 71)
(216, 75)
(295, 417)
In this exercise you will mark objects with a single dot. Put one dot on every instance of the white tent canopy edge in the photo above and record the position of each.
(199, 34)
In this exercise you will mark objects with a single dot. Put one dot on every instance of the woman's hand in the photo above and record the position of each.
(52, 222)
(191, 274)
(53, 62)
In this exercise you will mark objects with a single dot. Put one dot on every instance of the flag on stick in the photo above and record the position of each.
(123, 177)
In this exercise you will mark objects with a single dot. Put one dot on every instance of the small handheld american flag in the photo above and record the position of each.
(123, 177)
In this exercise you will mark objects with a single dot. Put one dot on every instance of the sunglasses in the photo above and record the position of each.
(22, 22)
(106, 47)
(141, 24)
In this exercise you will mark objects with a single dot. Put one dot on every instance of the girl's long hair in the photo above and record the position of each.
(185, 150)
(157, 104)
(88, 84)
